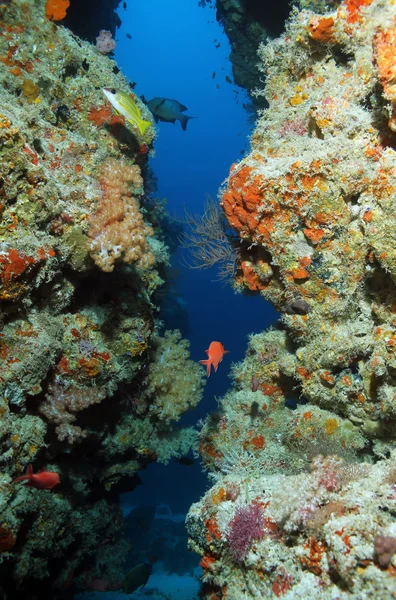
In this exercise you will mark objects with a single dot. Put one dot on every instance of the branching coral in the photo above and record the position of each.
(117, 229)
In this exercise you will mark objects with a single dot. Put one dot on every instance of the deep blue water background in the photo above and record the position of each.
(173, 54)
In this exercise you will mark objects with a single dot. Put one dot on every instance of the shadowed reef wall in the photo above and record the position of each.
(85, 385)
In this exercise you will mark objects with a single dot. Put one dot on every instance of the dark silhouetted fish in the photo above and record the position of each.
(228, 80)
(128, 36)
(137, 577)
(168, 110)
(186, 461)
(124, 4)
(213, 74)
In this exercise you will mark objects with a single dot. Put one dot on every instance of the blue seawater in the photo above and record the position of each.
(172, 53)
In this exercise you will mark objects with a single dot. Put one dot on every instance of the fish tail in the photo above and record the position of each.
(184, 120)
(207, 362)
(143, 125)
(28, 475)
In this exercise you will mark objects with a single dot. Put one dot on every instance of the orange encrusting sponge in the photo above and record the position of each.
(56, 9)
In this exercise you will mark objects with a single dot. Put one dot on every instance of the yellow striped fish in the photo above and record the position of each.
(125, 105)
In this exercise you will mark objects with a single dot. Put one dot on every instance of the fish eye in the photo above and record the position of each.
(113, 91)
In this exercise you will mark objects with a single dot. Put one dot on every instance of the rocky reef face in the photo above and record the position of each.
(84, 372)
(302, 450)
(247, 24)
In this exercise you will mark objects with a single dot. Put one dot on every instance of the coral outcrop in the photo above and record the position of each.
(304, 444)
(81, 259)
(248, 23)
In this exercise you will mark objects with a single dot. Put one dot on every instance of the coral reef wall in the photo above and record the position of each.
(84, 370)
(301, 451)
(248, 23)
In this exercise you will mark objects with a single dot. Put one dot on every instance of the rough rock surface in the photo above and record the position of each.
(302, 450)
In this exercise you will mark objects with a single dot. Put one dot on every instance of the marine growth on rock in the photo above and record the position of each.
(308, 431)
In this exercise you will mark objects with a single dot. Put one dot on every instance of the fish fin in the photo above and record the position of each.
(29, 470)
(207, 363)
(182, 107)
(226, 351)
(184, 120)
(216, 367)
(155, 118)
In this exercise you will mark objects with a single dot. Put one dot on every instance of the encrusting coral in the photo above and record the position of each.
(81, 258)
(304, 443)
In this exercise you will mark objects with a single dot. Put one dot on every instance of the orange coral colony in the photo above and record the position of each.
(56, 9)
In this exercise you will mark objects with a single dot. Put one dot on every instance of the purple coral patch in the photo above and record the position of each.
(246, 526)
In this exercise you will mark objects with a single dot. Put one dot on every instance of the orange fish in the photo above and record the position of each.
(45, 480)
(215, 353)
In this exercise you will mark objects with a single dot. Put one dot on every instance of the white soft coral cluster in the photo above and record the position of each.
(174, 382)
(117, 229)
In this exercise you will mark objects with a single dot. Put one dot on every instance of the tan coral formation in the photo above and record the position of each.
(304, 443)
(117, 226)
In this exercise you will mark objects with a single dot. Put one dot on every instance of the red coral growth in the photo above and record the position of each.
(353, 7)
(14, 267)
(385, 56)
(100, 115)
(282, 583)
(250, 277)
(321, 29)
(315, 550)
(207, 561)
(56, 9)
(7, 540)
(213, 529)
(241, 201)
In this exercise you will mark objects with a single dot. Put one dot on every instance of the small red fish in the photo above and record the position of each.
(45, 480)
(215, 353)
